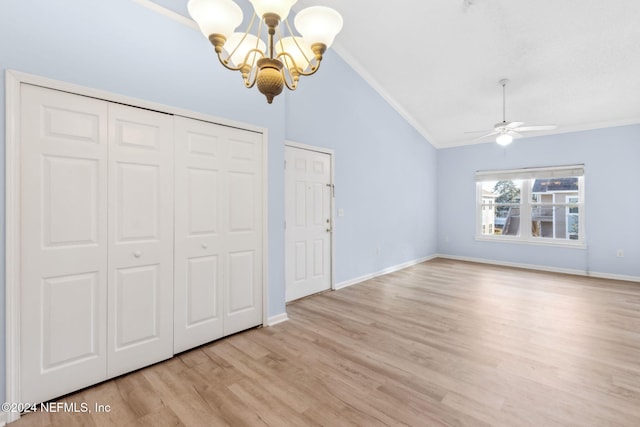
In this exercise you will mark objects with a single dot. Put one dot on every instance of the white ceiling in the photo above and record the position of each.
(573, 63)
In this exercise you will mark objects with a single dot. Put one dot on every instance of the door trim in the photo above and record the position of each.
(331, 153)
(13, 81)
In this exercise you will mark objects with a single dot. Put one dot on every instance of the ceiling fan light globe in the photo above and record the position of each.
(504, 139)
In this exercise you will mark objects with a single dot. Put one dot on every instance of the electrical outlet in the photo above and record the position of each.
(620, 253)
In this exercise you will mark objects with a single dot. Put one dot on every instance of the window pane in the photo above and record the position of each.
(552, 216)
(555, 222)
(509, 221)
(573, 226)
(554, 190)
(501, 207)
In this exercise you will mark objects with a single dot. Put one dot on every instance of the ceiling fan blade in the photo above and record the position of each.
(487, 135)
(513, 125)
(531, 128)
(514, 134)
(477, 131)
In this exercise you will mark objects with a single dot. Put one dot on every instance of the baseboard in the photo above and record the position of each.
(278, 318)
(613, 276)
(388, 270)
(543, 268)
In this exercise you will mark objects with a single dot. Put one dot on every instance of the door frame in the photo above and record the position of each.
(332, 213)
(13, 81)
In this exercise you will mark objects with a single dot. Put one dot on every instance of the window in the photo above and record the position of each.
(549, 201)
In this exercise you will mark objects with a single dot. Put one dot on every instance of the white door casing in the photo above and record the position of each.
(140, 296)
(308, 196)
(64, 243)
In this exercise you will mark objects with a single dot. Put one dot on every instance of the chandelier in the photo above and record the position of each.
(284, 57)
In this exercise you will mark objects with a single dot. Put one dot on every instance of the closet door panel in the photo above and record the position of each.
(242, 230)
(198, 249)
(140, 238)
(64, 243)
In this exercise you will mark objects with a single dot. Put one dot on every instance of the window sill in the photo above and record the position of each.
(533, 242)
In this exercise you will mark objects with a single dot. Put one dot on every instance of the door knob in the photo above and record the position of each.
(137, 254)
(205, 246)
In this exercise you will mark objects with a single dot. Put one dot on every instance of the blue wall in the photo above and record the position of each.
(611, 157)
(385, 171)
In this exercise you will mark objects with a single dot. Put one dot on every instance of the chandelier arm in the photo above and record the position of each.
(253, 62)
(280, 42)
(292, 73)
(287, 57)
(249, 27)
(225, 63)
(290, 86)
(251, 79)
(286, 21)
(314, 69)
(250, 85)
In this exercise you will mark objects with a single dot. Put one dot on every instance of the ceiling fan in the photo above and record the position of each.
(505, 130)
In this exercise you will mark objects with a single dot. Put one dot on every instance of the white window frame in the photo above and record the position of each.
(527, 176)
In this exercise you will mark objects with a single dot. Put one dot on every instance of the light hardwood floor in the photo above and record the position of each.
(441, 343)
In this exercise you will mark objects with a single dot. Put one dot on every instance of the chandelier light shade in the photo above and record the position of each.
(318, 24)
(274, 60)
(278, 7)
(299, 53)
(215, 17)
(245, 51)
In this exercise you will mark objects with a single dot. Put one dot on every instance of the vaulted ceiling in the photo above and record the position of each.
(572, 63)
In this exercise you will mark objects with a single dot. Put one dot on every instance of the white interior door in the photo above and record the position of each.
(308, 222)
(140, 297)
(64, 243)
(241, 219)
(198, 245)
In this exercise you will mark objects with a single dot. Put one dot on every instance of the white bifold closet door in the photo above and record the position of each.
(63, 288)
(140, 296)
(97, 241)
(218, 231)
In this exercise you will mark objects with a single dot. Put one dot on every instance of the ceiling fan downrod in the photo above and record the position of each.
(504, 82)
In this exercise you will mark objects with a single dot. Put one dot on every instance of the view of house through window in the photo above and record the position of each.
(501, 207)
(531, 204)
